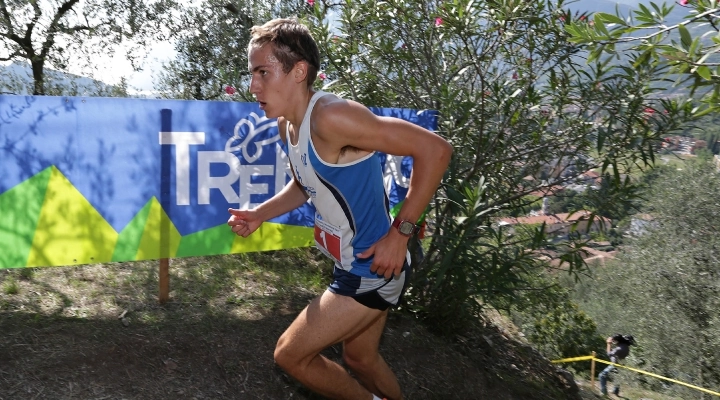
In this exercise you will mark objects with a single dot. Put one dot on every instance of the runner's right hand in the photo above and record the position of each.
(243, 222)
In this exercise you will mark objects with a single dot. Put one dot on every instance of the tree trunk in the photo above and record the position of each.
(38, 76)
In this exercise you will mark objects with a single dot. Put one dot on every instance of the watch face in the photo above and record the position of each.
(406, 228)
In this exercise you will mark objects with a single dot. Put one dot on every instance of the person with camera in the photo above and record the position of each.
(616, 354)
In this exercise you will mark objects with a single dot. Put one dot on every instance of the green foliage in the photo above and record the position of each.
(27, 273)
(704, 154)
(691, 61)
(524, 113)
(11, 287)
(565, 332)
(665, 287)
(533, 203)
(554, 324)
(471, 243)
(602, 199)
(211, 44)
(564, 201)
(707, 128)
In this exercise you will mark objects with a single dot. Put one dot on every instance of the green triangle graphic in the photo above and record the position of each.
(129, 240)
(19, 214)
(215, 240)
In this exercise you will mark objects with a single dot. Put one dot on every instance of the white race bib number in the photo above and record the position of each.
(328, 239)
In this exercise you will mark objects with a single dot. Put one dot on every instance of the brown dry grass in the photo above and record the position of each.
(98, 332)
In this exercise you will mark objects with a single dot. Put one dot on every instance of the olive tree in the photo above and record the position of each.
(57, 34)
(211, 46)
(665, 286)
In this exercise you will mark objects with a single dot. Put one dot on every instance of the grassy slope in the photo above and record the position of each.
(97, 331)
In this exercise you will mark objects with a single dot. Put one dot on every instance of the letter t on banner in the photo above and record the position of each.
(165, 160)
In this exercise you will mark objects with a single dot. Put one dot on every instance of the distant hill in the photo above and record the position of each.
(605, 6)
(626, 7)
(16, 78)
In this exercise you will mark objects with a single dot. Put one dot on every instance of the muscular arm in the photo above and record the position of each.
(339, 123)
(289, 198)
(431, 156)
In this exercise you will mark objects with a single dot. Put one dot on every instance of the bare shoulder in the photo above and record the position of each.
(335, 115)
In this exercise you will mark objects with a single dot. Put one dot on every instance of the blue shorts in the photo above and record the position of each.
(377, 293)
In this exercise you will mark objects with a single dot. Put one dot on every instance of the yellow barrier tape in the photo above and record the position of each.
(573, 359)
(659, 377)
(636, 370)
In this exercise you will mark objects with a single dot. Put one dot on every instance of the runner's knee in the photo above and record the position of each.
(360, 362)
(283, 356)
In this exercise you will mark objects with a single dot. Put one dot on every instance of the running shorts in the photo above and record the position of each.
(377, 293)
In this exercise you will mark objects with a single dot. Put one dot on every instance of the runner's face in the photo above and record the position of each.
(268, 82)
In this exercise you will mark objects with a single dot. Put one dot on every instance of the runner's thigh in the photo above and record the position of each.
(327, 320)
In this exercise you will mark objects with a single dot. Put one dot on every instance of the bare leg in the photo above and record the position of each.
(362, 357)
(327, 320)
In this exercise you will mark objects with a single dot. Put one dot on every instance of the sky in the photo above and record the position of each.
(111, 69)
(118, 66)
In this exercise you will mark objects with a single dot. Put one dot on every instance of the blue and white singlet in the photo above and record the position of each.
(352, 208)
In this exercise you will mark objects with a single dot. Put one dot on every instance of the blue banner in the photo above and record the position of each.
(112, 158)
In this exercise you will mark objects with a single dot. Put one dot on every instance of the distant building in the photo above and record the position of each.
(562, 224)
(591, 178)
(683, 144)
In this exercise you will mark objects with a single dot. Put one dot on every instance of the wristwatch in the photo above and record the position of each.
(406, 228)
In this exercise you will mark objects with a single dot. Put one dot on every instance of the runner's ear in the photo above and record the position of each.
(300, 71)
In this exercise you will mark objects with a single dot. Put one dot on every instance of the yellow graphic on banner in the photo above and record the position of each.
(160, 238)
(70, 230)
(272, 236)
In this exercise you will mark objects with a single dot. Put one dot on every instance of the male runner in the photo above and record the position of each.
(331, 143)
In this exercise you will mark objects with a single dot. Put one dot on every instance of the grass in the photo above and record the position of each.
(215, 283)
(673, 160)
(10, 287)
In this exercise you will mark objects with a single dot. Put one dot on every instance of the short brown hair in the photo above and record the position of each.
(291, 42)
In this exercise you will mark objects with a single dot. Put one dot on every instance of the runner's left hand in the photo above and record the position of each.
(390, 252)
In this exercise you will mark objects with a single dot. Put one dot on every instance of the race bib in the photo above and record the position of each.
(328, 239)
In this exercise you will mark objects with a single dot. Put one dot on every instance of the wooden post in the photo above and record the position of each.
(164, 280)
(592, 371)
(165, 161)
